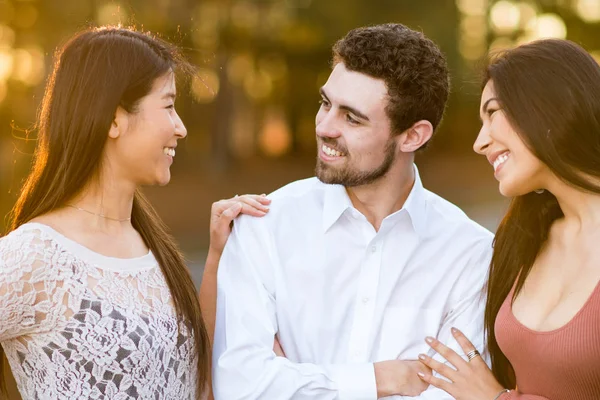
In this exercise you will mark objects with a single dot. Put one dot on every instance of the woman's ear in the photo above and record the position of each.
(119, 124)
(416, 136)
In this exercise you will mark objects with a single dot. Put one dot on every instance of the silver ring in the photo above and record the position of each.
(472, 354)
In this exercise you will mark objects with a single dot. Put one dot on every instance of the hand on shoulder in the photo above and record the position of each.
(223, 213)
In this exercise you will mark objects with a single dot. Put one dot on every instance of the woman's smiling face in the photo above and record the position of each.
(517, 170)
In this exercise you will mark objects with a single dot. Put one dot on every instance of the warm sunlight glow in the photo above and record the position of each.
(527, 13)
(548, 26)
(275, 138)
(471, 49)
(3, 91)
(26, 16)
(205, 86)
(588, 10)
(29, 65)
(258, 84)
(238, 67)
(111, 14)
(6, 64)
(243, 137)
(501, 44)
(505, 17)
(245, 14)
(473, 31)
(472, 7)
(7, 36)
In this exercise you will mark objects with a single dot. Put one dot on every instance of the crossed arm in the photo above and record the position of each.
(383, 378)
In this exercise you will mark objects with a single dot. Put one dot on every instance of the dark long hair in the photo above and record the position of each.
(95, 72)
(550, 93)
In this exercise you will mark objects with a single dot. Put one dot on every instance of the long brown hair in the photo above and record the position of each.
(95, 72)
(550, 93)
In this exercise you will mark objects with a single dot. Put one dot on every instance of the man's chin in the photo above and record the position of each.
(329, 178)
(324, 172)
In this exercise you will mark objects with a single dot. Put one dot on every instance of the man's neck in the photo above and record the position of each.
(385, 196)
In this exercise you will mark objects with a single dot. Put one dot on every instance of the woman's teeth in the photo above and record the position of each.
(331, 152)
(500, 160)
(169, 151)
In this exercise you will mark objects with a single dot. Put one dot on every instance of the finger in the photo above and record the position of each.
(218, 207)
(254, 203)
(262, 198)
(437, 382)
(446, 352)
(231, 212)
(439, 367)
(251, 210)
(462, 340)
(265, 201)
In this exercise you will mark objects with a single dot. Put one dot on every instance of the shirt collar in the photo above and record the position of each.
(337, 201)
(416, 206)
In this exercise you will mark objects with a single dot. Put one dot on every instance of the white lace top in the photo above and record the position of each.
(76, 325)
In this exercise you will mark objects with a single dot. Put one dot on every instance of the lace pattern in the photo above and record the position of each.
(76, 328)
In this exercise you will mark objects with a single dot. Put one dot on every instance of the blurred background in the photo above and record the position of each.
(250, 110)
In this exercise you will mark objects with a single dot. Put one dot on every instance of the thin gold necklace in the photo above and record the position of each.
(99, 215)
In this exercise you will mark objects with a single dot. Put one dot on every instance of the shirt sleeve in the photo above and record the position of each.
(244, 363)
(27, 294)
(466, 313)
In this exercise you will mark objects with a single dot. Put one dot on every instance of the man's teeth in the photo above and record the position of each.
(500, 160)
(169, 151)
(331, 152)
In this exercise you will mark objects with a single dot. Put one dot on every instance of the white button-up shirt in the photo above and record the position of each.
(340, 295)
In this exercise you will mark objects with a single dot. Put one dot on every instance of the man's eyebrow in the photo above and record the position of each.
(485, 106)
(346, 107)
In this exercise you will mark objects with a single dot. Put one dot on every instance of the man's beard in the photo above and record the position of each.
(347, 176)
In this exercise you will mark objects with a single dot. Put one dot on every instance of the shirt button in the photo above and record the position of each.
(373, 249)
(365, 300)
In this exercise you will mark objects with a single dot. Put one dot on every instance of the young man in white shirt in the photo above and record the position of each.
(351, 270)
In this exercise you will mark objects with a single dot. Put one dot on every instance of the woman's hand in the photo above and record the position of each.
(468, 380)
(223, 213)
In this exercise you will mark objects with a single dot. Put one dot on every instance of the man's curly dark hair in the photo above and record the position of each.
(411, 65)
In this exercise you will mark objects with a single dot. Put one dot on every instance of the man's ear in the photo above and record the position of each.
(416, 136)
(119, 124)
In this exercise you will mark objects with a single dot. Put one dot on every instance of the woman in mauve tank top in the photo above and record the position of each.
(540, 109)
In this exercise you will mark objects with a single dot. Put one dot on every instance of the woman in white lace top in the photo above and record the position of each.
(95, 298)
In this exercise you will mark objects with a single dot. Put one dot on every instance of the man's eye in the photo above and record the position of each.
(350, 119)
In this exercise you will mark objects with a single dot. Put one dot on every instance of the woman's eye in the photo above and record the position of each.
(171, 106)
(491, 111)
